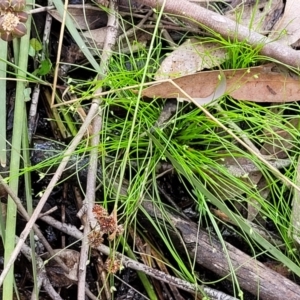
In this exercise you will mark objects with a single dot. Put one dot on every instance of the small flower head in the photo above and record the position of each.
(107, 224)
(11, 25)
(112, 266)
(99, 211)
(95, 238)
(8, 22)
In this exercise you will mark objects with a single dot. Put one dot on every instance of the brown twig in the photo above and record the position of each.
(166, 35)
(131, 32)
(42, 276)
(135, 265)
(227, 28)
(35, 228)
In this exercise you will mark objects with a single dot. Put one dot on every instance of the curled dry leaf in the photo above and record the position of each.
(95, 37)
(56, 274)
(192, 56)
(260, 16)
(86, 17)
(266, 83)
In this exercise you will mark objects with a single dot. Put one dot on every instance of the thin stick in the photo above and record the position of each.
(36, 230)
(42, 275)
(36, 92)
(110, 40)
(130, 263)
(59, 50)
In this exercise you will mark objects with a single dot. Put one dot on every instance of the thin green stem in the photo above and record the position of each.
(3, 66)
(15, 161)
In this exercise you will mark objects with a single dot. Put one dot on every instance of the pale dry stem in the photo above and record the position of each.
(89, 201)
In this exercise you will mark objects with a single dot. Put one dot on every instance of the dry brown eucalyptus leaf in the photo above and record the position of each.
(248, 174)
(287, 30)
(85, 17)
(56, 274)
(260, 16)
(95, 37)
(192, 56)
(265, 83)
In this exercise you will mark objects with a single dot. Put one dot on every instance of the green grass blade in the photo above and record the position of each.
(78, 40)
(28, 193)
(15, 161)
(234, 217)
(3, 65)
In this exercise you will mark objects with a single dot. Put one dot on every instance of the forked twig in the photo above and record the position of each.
(129, 263)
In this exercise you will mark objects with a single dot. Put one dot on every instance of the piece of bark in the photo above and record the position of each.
(252, 275)
(227, 28)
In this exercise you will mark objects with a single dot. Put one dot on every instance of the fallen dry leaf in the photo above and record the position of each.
(279, 141)
(57, 276)
(95, 37)
(190, 57)
(266, 83)
(287, 30)
(85, 17)
(260, 16)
